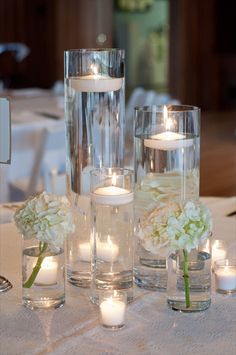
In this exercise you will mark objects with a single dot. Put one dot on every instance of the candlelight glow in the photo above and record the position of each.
(94, 69)
(168, 121)
(113, 180)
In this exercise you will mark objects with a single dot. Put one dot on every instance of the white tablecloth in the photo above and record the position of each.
(151, 327)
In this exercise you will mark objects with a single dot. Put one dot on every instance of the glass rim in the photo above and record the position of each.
(90, 50)
(159, 108)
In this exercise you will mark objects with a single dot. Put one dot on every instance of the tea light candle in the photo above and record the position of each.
(112, 195)
(47, 274)
(225, 278)
(96, 82)
(112, 313)
(167, 140)
(107, 251)
(85, 252)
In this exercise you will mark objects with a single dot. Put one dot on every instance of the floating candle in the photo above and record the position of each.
(112, 195)
(167, 140)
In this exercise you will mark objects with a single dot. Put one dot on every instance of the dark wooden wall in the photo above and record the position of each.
(49, 27)
(203, 52)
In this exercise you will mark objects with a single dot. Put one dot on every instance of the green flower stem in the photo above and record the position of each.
(31, 279)
(186, 280)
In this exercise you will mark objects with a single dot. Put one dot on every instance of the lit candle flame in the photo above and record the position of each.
(113, 180)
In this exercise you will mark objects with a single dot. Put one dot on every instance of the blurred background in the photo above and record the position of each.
(182, 49)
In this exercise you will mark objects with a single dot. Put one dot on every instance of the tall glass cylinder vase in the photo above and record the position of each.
(112, 231)
(167, 148)
(43, 275)
(94, 110)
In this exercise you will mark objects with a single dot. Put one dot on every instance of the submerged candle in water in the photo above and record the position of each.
(107, 251)
(85, 252)
(48, 272)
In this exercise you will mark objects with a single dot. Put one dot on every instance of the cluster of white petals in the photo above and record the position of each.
(45, 217)
(175, 227)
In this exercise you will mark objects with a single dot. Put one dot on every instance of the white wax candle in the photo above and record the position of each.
(112, 312)
(168, 141)
(112, 195)
(85, 252)
(225, 278)
(48, 272)
(107, 251)
(96, 83)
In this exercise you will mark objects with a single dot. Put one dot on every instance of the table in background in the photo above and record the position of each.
(151, 328)
(32, 110)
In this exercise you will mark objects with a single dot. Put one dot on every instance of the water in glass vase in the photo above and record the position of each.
(113, 249)
(48, 287)
(165, 171)
(199, 278)
(95, 127)
(162, 175)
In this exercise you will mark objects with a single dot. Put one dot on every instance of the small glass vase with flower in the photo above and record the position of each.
(180, 232)
(44, 222)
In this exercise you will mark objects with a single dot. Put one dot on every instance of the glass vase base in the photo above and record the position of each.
(196, 306)
(226, 292)
(113, 327)
(79, 279)
(43, 303)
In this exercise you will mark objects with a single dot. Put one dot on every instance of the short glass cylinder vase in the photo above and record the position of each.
(112, 231)
(167, 152)
(189, 281)
(43, 279)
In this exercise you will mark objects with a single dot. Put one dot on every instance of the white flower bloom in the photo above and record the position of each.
(45, 217)
(175, 227)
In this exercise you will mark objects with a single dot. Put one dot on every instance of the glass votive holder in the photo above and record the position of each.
(225, 276)
(218, 251)
(112, 306)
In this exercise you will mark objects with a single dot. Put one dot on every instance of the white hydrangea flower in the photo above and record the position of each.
(175, 227)
(45, 217)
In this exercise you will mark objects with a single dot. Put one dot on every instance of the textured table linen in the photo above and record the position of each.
(151, 328)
